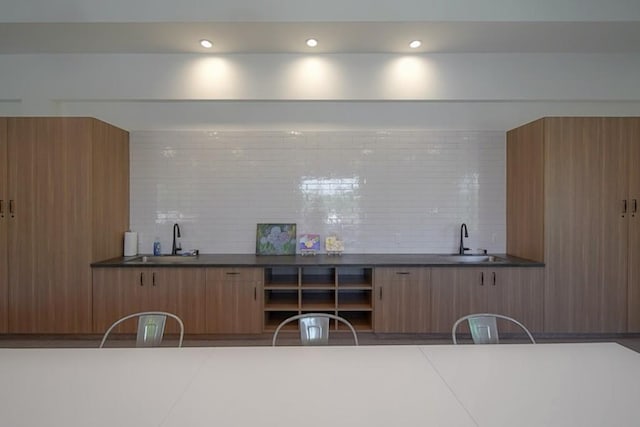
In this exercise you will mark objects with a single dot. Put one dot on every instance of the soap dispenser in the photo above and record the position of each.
(156, 247)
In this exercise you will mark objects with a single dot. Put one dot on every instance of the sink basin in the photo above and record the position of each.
(162, 259)
(474, 258)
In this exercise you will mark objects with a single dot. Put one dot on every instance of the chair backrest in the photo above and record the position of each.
(150, 328)
(484, 328)
(314, 328)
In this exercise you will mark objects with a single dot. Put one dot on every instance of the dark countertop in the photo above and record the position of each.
(373, 260)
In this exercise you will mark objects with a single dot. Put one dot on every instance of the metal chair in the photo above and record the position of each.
(150, 328)
(314, 328)
(484, 328)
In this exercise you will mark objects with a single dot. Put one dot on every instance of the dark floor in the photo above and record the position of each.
(289, 338)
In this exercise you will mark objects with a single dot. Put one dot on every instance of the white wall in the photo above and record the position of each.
(382, 192)
(325, 92)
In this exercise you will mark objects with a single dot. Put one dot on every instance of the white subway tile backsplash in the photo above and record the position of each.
(394, 191)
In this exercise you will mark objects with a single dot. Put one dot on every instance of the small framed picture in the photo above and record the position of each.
(309, 243)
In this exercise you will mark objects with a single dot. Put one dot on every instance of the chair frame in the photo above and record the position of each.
(497, 316)
(145, 313)
(306, 315)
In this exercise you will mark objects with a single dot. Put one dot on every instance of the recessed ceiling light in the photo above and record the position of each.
(312, 42)
(206, 43)
(415, 44)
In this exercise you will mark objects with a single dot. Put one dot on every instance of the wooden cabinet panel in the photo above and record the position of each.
(234, 300)
(525, 191)
(402, 299)
(4, 229)
(180, 291)
(456, 292)
(118, 292)
(512, 291)
(51, 230)
(633, 256)
(590, 243)
(585, 232)
(517, 292)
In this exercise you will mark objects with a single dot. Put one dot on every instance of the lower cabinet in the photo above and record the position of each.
(402, 299)
(121, 291)
(512, 291)
(234, 300)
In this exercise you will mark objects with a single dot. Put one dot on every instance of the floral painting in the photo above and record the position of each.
(276, 239)
(310, 242)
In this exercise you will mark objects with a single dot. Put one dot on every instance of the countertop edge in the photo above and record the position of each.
(345, 260)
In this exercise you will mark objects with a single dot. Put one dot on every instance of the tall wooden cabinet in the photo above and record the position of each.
(633, 248)
(67, 188)
(4, 228)
(570, 201)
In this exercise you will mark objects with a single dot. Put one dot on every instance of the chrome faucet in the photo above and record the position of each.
(176, 245)
(466, 234)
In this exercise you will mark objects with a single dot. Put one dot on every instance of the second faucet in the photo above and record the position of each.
(176, 247)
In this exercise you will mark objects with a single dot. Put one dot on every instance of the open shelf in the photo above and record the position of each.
(273, 318)
(292, 290)
(354, 299)
(355, 277)
(278, 299)
(324, 277)
(360, 320)
(315, 299)
(278, 277)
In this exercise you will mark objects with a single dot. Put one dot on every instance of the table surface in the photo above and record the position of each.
(594, 384)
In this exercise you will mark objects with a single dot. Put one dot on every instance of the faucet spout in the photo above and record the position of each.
(463, 228)
(175, 247)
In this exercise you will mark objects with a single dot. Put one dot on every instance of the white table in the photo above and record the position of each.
(504, 385)
(596, 384)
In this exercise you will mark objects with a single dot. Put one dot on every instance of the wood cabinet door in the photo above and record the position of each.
(517, 292)
(402, 299)
(456, 292)
(117, 292)
(633, 254)
(585, 232)
(234, 300)
(4, 228)
(178, 290)
(50, 227)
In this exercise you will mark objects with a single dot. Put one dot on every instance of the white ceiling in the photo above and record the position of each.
(334, 37)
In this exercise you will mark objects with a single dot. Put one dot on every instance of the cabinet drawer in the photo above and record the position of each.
(235, 274)
(403, 275)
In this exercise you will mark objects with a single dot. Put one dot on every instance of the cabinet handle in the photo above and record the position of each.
(153, 279)
(11, 212)
(482, 278)
(232, 273)
(624, 207)
(494, 278)
(255, 294)
(380, 293)
(634, 207)
(1, 208)
(403, 272)
(141, 279)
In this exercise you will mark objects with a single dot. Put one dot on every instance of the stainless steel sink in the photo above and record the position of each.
(162, 259)
(473, 258)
